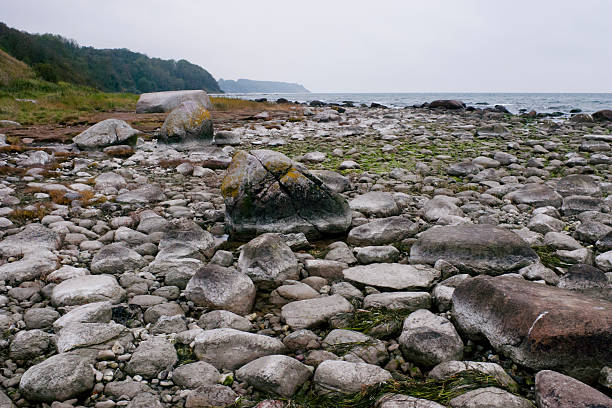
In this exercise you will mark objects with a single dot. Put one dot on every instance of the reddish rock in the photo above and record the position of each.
(539, 326)
(603, 115)
(554, 390)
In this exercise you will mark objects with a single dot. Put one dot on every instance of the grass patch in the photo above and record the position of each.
(224, 104)
(21, 216)
(57, 103)
(185, 354)
(440, 391)
(378, 322)
(549, 258)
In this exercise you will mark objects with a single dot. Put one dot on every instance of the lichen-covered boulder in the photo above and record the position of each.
(188, 122)
(265, 191)
(109, 132)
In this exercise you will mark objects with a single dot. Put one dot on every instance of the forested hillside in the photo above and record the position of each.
(55, 58)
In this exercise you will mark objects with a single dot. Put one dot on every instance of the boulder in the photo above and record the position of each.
(604, 115)
(151, 357)
(190, 121)
(58, 378)
(98, 312)
(578, 184)
(539, 326)
(216, 395)
(142, 195)
(333, 376)
(383, 231)
(80, 335)
(447, 104)
(376, 204)
(194, 375)
(265, 191)
(109, 132)
(555, 390)
(441, 206)
(228, 349)
(35, 264)
(536, 195)
(216, 287)
(219, 319)
(33, 237)
(276, 374)
(473, 248)
(429, 339)
(268, 261)
(159, 102)
(334, 181)
(184, 238)
(393, 276)
(308, 313)
(87, 289)
(356, 344)
(114, 259)
(489, 397)
(451, 368)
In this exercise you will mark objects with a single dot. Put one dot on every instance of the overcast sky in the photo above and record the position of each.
(353, 45)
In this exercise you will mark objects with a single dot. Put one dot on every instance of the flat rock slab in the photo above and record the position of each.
(537, 195)
(229, 349)
(87, 289)
(539, 326)
(473, 248)
(393, 276)
(303, 314)
(32, 238)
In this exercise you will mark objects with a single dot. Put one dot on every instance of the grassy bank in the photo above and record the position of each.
(57, 102)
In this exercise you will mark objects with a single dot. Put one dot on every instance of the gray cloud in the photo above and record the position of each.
(353, 46)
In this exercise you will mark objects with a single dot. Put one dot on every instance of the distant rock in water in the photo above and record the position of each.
(604, 115)
(251, 86)
(447, 104)
(159, 102)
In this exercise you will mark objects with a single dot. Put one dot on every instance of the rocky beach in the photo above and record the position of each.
(293, 255)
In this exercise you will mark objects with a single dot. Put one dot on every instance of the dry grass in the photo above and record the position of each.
(22, 215)
(57, 103)
(221, 103)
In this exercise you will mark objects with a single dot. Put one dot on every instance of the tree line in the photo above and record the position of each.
(55, 58)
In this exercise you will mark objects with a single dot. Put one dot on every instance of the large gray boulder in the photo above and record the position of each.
(33, 238)
(393, 276)
(473, 248)
(382, 231)
(375, 203)
(216, 287)
(308, 313)
(229, 349)
(268, 261)
(537, 195)
(265, 191)
(333, 376)
(159, 102)
(190, 121)
(58, 378)
(277, 374)
(152, 357)
(109, 132)
(87, 289)
(429, 339)
(539, 326)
